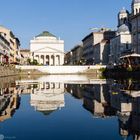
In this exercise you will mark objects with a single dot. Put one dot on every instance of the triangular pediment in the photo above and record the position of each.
(48, 49)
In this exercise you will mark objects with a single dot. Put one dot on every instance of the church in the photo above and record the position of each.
(47, 49)
(135, 22)
(125, 47)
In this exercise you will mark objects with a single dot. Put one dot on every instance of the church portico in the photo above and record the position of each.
(47, 49)
(48, 59)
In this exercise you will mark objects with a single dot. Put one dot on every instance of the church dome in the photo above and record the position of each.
(46, 34)
(47, 112)
(123, 29)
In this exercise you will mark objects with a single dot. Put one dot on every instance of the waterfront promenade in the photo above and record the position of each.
(71, 79)
(61, 69)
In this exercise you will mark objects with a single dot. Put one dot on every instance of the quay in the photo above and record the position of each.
(61, 69)
(67, 79)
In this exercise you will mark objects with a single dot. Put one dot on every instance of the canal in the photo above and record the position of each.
(69, 108)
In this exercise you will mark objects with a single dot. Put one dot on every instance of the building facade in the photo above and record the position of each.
(68, 58)
(4, 50)
(77, 53)
(14, 44)
(90, 45)
(25, 56)
(135, 22)
(125, 47)
(120, 45)
(47, 49)
(74, 57)
(101, 52)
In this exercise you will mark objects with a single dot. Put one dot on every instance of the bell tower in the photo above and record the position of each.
(123, 17)
(135, 7)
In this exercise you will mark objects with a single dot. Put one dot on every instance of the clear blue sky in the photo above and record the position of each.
(69, 19)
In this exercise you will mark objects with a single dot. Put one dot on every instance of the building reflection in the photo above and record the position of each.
(129, 114)
(121, 99)
(48, 97)
(44, 97)
(9, 102)
(75, 89)
(96, 98)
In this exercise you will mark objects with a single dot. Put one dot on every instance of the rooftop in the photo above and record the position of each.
(25, 50)
(135, 1)
(46, 34)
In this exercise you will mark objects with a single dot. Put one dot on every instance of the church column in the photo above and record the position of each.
(59, 60)
(54, 60)
(44, 59)
(50, 60)
(39, 59)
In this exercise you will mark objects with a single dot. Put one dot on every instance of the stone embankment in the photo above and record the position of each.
(62, 70)
(8, 70)
(12, 70)
(31, 72)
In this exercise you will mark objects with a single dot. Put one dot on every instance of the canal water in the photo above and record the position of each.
(69, 108)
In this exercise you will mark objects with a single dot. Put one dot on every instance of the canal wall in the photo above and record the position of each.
(8, 70)
(67, 79)
(61, 69)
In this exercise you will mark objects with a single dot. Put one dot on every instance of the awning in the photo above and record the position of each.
(130, 55)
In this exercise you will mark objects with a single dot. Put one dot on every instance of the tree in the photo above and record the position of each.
(82, 61)
(34, 62)
(29, 61)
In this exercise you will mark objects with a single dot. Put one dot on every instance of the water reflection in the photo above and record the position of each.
(104, 99)
(9, 102)
(125, 97)
(116, 98)
(48, 97)
(96, 98)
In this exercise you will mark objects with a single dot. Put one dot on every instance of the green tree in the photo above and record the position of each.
(34, 62)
